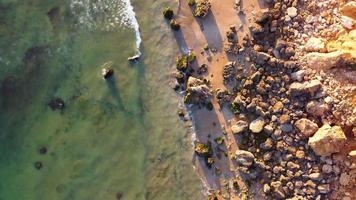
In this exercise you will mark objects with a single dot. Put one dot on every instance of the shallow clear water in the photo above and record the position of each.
(113, 136)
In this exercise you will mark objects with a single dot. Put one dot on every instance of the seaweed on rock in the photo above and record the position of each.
(202, 8)
(168, 13)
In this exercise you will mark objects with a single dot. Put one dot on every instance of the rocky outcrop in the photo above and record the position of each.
(306, 127)
(327, 140)
(197, 92)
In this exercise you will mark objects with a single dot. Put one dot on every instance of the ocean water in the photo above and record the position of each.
(114, 138)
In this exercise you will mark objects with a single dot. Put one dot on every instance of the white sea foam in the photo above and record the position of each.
(106, 15)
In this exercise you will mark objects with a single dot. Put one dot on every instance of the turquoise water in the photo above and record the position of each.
(117, 136)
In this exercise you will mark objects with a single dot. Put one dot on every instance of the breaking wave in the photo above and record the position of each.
(106, 15)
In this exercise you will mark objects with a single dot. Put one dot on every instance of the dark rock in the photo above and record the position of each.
(262, 17)
(229, 72)
(134, 58)
(56, 104)
(256, 29)
(107, 72)
(174, 25)
(43, 150)
(202, 8)
(168, 13)
(38, 165)
(119, 195)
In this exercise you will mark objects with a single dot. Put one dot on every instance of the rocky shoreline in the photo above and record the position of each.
(272, 96)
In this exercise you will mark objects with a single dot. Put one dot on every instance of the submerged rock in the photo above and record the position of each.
(134, 58)
(107, 72)
(56, 104)
(327, 140)
(38, 165)
(43, 150)
(119, 195)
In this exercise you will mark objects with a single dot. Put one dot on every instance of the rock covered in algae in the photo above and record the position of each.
(202, 8)
(168, 13)
(197, 92)
(174, 25)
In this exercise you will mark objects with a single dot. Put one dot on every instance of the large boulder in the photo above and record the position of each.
(197, 92)
(327, 140)
(306, 127)
(244, 158)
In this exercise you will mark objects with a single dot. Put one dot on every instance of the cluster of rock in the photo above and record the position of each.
(283, 114)
(197, 91)
(168, 13)
(232, 45)
(202, 8)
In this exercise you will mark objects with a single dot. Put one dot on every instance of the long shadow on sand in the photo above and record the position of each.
(210, 30)
(114, 91)
(207, 132)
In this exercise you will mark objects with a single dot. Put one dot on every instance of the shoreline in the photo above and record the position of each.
(194, 35)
